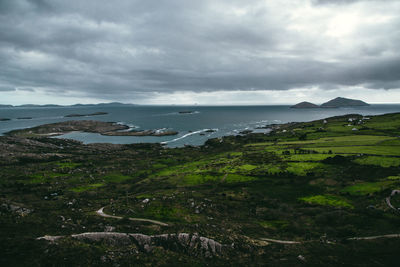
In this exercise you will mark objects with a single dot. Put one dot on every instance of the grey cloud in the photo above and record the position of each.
(26, 89)
(339, 2)
(123, 48)
(6, 88)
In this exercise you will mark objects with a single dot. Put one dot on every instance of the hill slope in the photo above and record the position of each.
(343, 102)
(305, 104)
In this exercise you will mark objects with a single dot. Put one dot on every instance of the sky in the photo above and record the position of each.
(206, 52)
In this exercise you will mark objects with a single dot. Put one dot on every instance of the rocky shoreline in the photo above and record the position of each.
(89, 126)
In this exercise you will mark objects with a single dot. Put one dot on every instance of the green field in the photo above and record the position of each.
(367, 188)
(327, 200)
(378, 161)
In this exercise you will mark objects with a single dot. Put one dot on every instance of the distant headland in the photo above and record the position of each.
(112, 104)
(334, 103)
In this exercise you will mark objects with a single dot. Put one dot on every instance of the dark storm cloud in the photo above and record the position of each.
(109, 48)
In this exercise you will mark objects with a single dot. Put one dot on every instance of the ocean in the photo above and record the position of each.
(224, 120)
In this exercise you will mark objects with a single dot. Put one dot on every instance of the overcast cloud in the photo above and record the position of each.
(141, 51)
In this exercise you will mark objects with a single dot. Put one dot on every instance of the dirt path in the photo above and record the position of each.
(292, 242)
(388, 199)
(100, 212)
(280, 241)
(375, 237)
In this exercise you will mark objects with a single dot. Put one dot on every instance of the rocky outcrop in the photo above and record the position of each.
(16, 208)
(191, 244)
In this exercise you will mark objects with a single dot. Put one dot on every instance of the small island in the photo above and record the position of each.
(305, 105)
(343, 102)
(24, 118)
(85, 115)
(334, 103)
(89, 126)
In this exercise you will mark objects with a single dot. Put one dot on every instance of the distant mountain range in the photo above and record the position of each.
(112, 104)
(334, 103)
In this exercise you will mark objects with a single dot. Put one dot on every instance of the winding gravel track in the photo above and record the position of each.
(280, 241)
(100, 212)
(388, 200)
(291, 242)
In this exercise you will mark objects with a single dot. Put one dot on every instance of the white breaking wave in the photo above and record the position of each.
(186, 135)
(131, 126)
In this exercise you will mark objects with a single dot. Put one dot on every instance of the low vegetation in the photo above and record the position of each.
(316, 183)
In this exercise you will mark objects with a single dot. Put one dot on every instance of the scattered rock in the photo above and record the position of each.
(301, 257)
(109, 228)
(246, 132)
(21, 211)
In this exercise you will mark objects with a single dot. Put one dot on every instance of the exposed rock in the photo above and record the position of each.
(109, 228)
(191, 244)
(16, 208)
(246, 132)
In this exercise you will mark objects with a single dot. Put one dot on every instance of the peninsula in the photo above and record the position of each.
(89, 126)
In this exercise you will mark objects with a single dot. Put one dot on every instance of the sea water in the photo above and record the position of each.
(192, 127)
